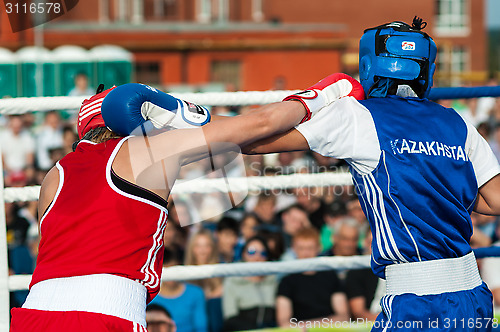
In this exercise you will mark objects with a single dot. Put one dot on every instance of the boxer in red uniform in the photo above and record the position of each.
(101, 246)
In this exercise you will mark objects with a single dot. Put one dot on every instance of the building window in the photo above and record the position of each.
(227, 72)
(148, 73)
(453, 65)
(452, 17)
(161, 10)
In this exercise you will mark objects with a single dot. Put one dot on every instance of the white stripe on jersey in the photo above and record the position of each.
(387, 307)
(370, 195)
(380, 202)
(59, 188)
(397, 207)
(139, 328)
(377, 229)
(148, 267)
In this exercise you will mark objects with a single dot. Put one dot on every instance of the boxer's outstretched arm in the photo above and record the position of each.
(179, 147)
(488, 197)
(292, 140)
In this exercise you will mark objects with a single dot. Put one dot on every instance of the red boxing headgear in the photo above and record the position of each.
(89, 116)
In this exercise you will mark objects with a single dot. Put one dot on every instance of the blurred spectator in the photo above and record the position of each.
(354, 210)
(56, 154)
(327, 163)
(81, 86)
(490, 273)
(174, 237)
(17, 226)
(480, 223)
(293, 219)
(485, 106)
(345, 238)
(279, 83)
(227, 240)
(310, 201)
(466, 108)
(249, 227)
(291, 162)
(265, 208)
(248, 302)
(186, 302)
(29, 211)
(361, 286)
(49, 137)
(29, 121)
(20, 260)
(33, 241)
(180, 213)
(275, 244)
(495, 141)
(484, 130)
(158, 319)
(18, 148)
(485, 224)
(333, 213)
(202, 250)
(69, 138)
(310, 296)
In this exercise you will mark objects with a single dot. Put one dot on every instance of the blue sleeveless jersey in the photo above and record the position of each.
(419, 198)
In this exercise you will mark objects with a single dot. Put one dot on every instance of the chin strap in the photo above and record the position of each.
(381, 88)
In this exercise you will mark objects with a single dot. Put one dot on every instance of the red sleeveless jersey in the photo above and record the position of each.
(100, 223)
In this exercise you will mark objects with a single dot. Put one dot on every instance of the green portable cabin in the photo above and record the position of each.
(69, 61)
(112, 65)
(8, 73)
(36, 72)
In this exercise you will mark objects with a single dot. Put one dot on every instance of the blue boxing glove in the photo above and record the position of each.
(129, 106)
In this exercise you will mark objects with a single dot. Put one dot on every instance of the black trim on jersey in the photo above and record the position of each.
(137, 191)
(46, 209)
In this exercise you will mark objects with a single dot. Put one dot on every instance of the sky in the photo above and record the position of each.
(493, 14)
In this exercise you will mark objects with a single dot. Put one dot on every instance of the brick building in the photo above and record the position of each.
(258, 44)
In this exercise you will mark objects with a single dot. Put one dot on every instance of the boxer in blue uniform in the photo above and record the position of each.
(419, 170)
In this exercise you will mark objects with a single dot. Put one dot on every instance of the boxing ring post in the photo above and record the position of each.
(4, 269)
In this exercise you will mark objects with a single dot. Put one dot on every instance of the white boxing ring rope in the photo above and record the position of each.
(194, 272)
(236, 184)
(241, 98)
(21, 282)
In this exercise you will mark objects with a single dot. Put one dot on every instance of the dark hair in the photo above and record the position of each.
(172, 255)
(336, 208)
(156, 307)
(279, 243)
(228, 223)
(294, 206)
(256, 238)
(97, 135)
(82, 73)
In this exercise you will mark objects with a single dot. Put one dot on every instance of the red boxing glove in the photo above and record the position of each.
(326, 91)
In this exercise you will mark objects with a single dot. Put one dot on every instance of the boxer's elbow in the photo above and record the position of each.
(488, 198)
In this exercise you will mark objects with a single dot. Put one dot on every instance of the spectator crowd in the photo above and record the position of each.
(267, 226)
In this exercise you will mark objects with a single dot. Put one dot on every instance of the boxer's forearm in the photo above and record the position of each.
(266, 121)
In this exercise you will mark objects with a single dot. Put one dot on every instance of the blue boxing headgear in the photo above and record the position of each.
(396, 52)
